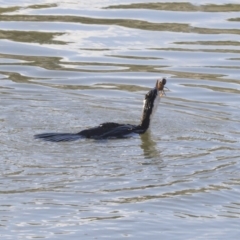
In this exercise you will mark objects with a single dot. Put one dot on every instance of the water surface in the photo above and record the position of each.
(70, 65)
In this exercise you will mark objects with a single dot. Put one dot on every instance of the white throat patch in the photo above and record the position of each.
(155, 106)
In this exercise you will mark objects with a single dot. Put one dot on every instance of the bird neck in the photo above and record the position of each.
(149, 109)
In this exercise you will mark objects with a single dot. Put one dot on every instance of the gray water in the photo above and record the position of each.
(69, 65)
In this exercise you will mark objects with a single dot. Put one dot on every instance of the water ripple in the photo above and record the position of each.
(70, 65)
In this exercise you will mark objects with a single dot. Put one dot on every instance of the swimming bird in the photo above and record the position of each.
(115, 130)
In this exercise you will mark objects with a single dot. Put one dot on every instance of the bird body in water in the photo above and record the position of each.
(115, 130)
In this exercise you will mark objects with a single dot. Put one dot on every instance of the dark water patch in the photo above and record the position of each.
(129, 23)
(180, 6)
(30, 37)
(8, 9)
(42, 6)
(234, 19)
(210, 43)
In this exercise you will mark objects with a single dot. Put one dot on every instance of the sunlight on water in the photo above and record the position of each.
(70, 65)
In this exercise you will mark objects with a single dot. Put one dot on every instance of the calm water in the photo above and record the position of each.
(68, 65)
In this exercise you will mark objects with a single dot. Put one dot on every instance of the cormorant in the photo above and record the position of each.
(115, 130)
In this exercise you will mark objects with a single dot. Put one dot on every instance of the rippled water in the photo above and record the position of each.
(68, 65)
